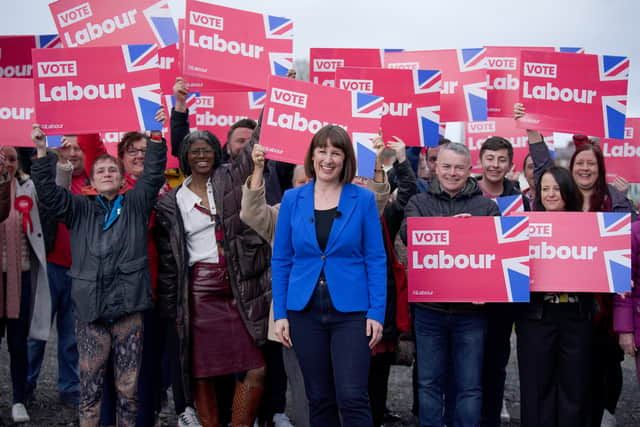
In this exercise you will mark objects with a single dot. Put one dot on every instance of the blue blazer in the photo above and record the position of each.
(354, 261)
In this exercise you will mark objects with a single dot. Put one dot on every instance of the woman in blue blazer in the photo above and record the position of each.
(329, 281)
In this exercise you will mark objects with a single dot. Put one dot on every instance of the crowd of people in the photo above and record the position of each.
(250, 276)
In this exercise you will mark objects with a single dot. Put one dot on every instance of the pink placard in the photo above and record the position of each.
(622, 156)
(218, 111)
(411, 108)
(585, 94)
(503, 78)
(295, 110)
(597, 259)
(252, 46)
(17, 112)
(464, 79)
(323, 62)
(87, 90)
(446, 264)
(87, 23)
(15, 53)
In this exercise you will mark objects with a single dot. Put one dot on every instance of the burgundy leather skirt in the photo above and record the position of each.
(220, 342)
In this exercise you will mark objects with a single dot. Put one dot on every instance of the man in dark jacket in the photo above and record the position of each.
(111, 284)
(496, 160)
(450, 330)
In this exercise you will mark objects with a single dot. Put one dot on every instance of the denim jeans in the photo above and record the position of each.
(441, 336)
(333, 351)
(62, 310)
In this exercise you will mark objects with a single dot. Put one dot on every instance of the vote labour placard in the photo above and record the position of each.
(86, 90)
(411, 109)
(503, 76)
(90, 23)
(622, 156)
(15, 53)
(295, 110)
(252, 46)
(478, 132)
(218, 111)
(17, 112)
(595, 259)
(446, 264)
(323, 62)
(584, 94)
(464, 79)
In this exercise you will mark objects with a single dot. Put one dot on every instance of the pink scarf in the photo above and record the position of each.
(10, 233)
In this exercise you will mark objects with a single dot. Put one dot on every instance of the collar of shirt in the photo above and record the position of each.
(187, 199)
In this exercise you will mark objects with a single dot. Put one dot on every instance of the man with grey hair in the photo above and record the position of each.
(450, 333)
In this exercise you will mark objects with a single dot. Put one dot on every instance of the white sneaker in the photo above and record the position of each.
(608, 419)
(188, 418)
(19, 413)
(505, 416)
(281, 420)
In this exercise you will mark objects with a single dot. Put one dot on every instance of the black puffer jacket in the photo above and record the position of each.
(246, 253)
(110, 268)
(437, 202)
(393, 215)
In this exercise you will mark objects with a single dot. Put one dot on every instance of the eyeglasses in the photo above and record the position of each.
(133, 151)
(201, 152)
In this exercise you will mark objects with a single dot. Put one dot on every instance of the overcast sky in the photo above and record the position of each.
(601, 26)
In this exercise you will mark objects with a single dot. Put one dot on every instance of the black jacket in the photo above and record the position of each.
(110, 269)
(437, 202)
(393, 215)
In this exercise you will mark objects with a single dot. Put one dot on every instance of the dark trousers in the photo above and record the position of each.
(17, 331)
(62, 310)
(275, 391)
(606, 373)
(554, 360)
(378, 385)
(500, 320)
(172, 350)
(333, 351)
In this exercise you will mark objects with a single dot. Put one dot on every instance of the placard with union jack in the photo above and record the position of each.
(295, 110)
(411, 109)
(595, 259)
(464, 79)
(90, 23)
(15, 53)
(87, 90)
(252, 46)
(446, 264)
(584, 94)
